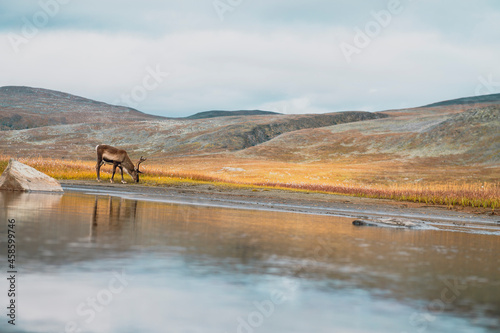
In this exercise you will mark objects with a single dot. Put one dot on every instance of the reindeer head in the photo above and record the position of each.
(136, 172)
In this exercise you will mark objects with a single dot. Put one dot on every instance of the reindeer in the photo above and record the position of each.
(118, 158)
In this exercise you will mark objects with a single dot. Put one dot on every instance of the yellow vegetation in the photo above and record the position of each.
(364, 180)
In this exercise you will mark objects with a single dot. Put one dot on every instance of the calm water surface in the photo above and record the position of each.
(96, 263)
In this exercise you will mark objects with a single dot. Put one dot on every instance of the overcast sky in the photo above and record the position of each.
(175, 58)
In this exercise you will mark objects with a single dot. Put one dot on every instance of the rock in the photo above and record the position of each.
(363, 223)
(394, 222)
(229, 169)
(20, 177)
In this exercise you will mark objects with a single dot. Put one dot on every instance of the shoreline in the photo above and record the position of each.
(293, 202)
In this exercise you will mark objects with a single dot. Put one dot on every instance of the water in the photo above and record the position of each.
(97, 263)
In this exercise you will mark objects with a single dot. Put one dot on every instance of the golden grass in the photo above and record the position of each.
(363, 180)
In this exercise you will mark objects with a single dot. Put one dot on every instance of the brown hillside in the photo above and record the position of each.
(470, 136)
(172, 137)
(25, 107)
(394, 145)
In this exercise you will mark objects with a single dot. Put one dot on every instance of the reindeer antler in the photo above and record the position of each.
(142, 159)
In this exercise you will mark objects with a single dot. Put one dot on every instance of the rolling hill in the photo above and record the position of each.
(218, 113)
(25, 107)
(469, 101)
(468, 137)
(39, 122)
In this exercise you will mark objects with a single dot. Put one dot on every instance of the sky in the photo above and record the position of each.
(176, 58)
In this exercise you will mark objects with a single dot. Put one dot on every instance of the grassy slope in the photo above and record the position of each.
(443, 154)
(324, 178)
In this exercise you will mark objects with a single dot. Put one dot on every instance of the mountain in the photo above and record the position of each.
(246, 131)
(26, 107)
(471, 101)
(217, 113)
(467, 137)
(166, 138)
(442, 135)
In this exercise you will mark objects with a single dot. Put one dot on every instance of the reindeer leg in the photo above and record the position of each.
(121, 170)
(113, 174)
(98, 169)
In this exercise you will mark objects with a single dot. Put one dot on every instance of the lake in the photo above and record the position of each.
(99, 263)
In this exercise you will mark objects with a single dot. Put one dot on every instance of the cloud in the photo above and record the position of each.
(283, 56)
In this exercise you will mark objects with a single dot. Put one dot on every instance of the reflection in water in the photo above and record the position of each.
(107, 264)
(27, 205)
(110, 213)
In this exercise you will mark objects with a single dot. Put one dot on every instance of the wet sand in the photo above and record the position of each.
(458, 218)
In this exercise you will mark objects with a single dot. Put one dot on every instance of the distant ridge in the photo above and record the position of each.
(493, 99)
(27, 107)
(218, 113)
(45, 100)
(464, 131)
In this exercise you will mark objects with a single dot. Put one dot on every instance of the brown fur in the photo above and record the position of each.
(118, 158)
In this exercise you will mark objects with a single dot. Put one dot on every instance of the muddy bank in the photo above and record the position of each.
(299, 202)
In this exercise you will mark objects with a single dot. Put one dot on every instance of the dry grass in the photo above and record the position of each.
(453, 194)
(455, 188)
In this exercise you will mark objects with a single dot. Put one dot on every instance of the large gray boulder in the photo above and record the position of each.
(20, 177)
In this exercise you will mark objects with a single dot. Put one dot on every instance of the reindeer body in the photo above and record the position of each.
(118, 158)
